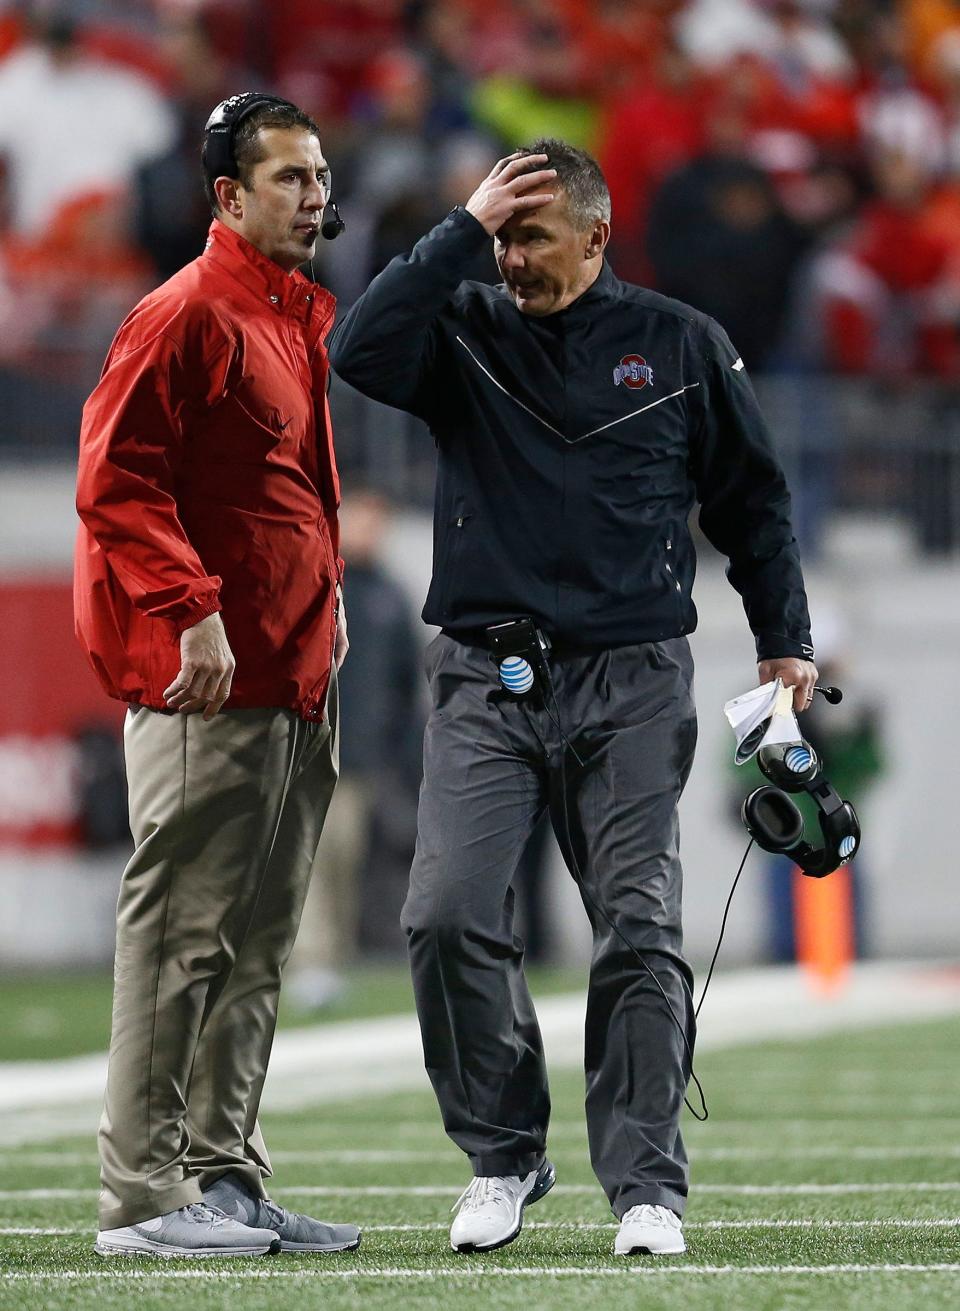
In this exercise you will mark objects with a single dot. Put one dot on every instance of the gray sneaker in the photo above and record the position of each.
(298, 1233)
(197, 1230)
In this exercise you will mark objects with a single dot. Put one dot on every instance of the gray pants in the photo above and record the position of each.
(491, 767)
(226, 817)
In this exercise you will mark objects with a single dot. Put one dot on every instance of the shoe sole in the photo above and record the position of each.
(316, 1247)
(650, 1251)
(165, 1249)
(539, 1189)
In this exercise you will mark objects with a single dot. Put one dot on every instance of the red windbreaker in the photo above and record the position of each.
(207, 482)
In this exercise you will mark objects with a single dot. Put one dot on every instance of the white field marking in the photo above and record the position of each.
(360, 1156)
(473, 1272)
(802, 1124)
(611, 1226)
(839, 1152)
(44, 1100)
(576, 1225)
(13, 1230)
(451, 1190)
(824, 1153)
(738, 1190)
(920, 1104)
(429, 1127)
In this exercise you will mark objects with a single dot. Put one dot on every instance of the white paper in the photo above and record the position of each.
(762, 717)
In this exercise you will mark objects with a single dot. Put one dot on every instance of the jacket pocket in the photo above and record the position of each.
(455, 543)
(671, 574)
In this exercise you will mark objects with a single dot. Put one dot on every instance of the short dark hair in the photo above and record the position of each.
(248, 149)
(579, 176)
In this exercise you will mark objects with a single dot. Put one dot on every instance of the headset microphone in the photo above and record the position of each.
(332, 225)
(831, 694)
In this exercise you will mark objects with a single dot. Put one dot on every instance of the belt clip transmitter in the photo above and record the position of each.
(519, 650)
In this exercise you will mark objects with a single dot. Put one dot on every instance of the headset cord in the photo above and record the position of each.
(579, 880)
(723, 925)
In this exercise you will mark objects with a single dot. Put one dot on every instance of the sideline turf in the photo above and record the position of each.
(67, 1013)
(873, 1108)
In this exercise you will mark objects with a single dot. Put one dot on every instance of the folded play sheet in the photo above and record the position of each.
(762, 717)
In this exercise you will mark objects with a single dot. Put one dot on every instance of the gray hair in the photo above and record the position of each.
(579, 177)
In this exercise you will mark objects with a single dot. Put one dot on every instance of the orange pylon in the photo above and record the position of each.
(824, 928)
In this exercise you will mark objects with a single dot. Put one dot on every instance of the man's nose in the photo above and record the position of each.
(315, 197)
(512, 257)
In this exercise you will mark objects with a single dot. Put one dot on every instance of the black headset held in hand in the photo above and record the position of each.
(218, 135)
(775, 823)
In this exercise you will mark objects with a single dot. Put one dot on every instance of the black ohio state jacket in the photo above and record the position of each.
(572, 448)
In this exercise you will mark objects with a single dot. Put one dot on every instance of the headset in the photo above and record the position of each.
(775, 823)
(220, 131)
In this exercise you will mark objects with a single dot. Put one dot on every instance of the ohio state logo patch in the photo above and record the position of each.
(633, 371)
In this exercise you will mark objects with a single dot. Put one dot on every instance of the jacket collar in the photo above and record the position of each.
(603, 288)
(262, 276)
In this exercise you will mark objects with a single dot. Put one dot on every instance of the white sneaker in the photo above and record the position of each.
(491, 1208)
(650, 1231)
(196, 1230)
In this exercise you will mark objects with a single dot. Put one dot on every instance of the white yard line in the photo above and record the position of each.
(472, 1272)
(688, 1225)
(14, 1231)
(42, 1100)
(575, 1226)
(429, 1156)
(452, 1190)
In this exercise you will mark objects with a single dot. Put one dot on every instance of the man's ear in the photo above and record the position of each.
(228, 196)
(597, 239)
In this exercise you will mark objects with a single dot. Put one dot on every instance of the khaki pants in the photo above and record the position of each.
(226, 817)
(331, 917)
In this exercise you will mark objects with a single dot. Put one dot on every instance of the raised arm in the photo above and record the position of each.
(386, 343)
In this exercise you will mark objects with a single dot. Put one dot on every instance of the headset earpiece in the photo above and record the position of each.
(217, 152)
(775, 822)
(772, 819)
(791, 766)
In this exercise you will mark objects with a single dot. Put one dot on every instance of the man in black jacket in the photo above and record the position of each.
(577, 419)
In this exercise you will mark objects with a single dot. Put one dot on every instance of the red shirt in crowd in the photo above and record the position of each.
(207, 482)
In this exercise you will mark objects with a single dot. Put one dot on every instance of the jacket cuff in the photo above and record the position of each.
(191, 612)
(777, 646)
(453, 238)
(469, 224)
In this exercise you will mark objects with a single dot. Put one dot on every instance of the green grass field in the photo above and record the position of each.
(68, 1014)
(828, 1176)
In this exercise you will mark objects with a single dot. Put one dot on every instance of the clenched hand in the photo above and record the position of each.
(801, 675)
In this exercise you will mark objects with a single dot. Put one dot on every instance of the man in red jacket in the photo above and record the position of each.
(207, 598)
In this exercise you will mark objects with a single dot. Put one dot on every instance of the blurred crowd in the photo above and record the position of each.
(792, 167)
